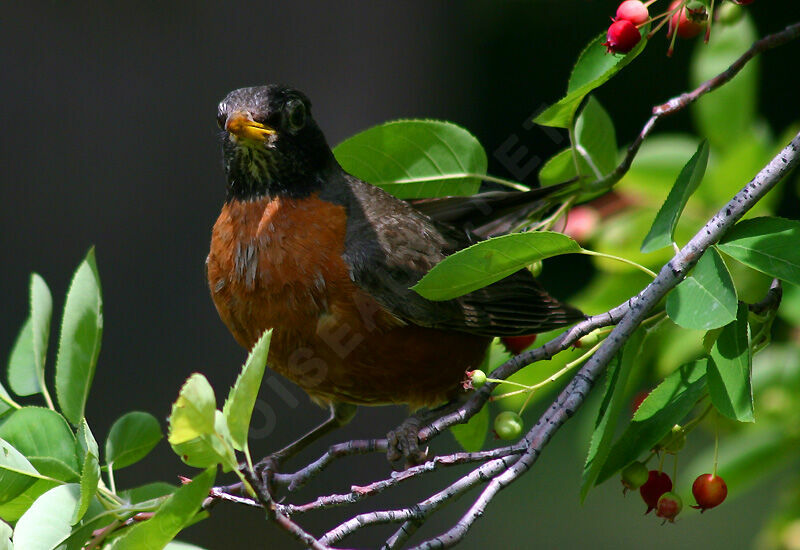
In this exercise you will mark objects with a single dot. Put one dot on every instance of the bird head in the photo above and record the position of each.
(271, 145)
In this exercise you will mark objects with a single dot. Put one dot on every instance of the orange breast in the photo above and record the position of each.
(277, 263)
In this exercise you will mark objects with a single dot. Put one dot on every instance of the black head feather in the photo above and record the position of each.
(292, 161)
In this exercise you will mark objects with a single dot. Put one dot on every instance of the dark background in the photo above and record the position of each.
(109, 138)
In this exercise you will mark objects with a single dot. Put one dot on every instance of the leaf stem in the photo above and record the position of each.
(111, 483)
(619, 259)
(5, 398)
(47, 398)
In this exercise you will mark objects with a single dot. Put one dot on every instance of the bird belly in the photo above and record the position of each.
(277, 264)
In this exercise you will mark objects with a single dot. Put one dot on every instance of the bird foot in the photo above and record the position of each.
(265, 470)
(404, 450)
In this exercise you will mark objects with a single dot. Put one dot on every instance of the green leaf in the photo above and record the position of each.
(86, 441)
(666, 406)
(12, 510)
(90, 477)
(49, 520)
(730, 369)
(131, 438)
(768, 245)
(706, 299)
(16, 473)
(238, 407)
(595, 135)
(723, 125)
(594, 68)
(170, 518)
(26, 364)
(44, 437)
(614, 400)
(41, 313)
(472, 435)
(148, 491)
(193, 412)
(489, 261)
(83, 532)
(21, 365)
(663, 229)
(594, 132)
(198, 432)
(415, 158)
(561, 167)
(79, 346)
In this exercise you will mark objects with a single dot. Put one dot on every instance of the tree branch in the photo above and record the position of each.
(574, 395)
(501, 467)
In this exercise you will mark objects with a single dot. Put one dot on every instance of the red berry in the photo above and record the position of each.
(518, 344)
(657, 484)
(669, 505)
(709, 491)
(686, 28)
(634, 476)
(633, 11)
(622, 37)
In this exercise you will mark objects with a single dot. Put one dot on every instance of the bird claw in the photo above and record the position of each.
(404, 450)
(265, 471)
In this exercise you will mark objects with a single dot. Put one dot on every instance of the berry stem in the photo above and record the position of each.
(710, 20)
(562, 210)
(716, 444)
(675, 470)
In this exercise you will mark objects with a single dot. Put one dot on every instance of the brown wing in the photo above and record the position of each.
(389, 247)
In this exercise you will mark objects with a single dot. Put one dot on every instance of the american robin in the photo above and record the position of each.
(327, 260)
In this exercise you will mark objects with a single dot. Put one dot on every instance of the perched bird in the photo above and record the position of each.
(327, 261)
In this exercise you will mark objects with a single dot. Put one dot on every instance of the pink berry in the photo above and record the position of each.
(622, 37)
(709, 491)
(633, 11)
(686, 28)
(669, 505)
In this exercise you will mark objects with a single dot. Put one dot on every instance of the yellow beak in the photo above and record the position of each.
(242, 125)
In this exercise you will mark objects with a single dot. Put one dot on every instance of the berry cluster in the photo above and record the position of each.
(655, 486)
(684, 18)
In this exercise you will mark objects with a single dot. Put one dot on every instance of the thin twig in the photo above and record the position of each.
(360, 492)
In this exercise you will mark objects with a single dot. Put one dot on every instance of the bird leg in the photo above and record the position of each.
(404, 450)
(340, 415)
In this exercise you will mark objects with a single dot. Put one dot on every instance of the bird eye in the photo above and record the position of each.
(221, 118)
(296, 114)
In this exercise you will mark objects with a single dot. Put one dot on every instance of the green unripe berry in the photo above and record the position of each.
(536, 268)
(508, 425)
(478, 378)
(634, 475)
